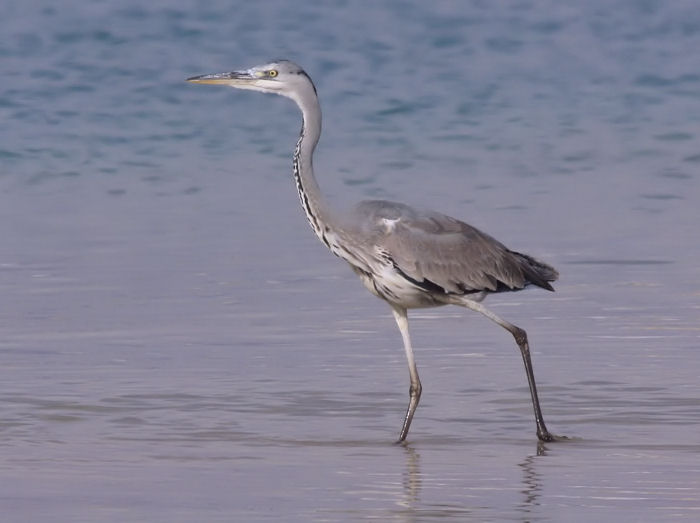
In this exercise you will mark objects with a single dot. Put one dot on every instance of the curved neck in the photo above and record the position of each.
(309, 192)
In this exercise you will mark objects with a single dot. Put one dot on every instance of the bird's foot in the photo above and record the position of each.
(546, 437)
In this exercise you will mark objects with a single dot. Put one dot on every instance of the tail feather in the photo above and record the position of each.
(537, 272)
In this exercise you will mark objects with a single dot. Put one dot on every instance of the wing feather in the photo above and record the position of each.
(433, 248)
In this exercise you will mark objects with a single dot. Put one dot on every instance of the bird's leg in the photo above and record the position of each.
(416, 388)
(521, 339)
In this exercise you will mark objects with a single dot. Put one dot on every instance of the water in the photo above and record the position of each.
(177, 346)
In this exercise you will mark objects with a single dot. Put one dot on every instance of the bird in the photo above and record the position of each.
(408, 257)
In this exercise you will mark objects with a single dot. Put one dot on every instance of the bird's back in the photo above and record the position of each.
(440, 255)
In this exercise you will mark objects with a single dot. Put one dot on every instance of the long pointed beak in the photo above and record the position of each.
(233, 78)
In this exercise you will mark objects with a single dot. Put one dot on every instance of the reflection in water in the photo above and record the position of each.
(531, 482)
(474, 484)
(411, 479)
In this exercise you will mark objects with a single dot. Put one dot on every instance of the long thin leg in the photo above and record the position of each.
(521, 339)
(416, 388)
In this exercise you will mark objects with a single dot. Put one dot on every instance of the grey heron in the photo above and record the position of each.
(409, 258)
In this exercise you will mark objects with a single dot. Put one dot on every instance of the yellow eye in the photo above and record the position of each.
(272, 73)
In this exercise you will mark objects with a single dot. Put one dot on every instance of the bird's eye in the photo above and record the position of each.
(272, 73)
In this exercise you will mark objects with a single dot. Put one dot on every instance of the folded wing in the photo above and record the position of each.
(433, 249)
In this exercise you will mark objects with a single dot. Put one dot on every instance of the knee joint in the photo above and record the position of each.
(520, 336)
(415, 389)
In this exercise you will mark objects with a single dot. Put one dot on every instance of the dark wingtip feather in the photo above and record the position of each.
(537, 272)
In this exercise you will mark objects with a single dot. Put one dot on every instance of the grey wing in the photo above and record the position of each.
(433, 249)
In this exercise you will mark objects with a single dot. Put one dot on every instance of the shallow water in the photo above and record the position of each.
(177, 346)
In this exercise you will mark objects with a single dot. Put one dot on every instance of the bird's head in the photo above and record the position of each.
(279, 77)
